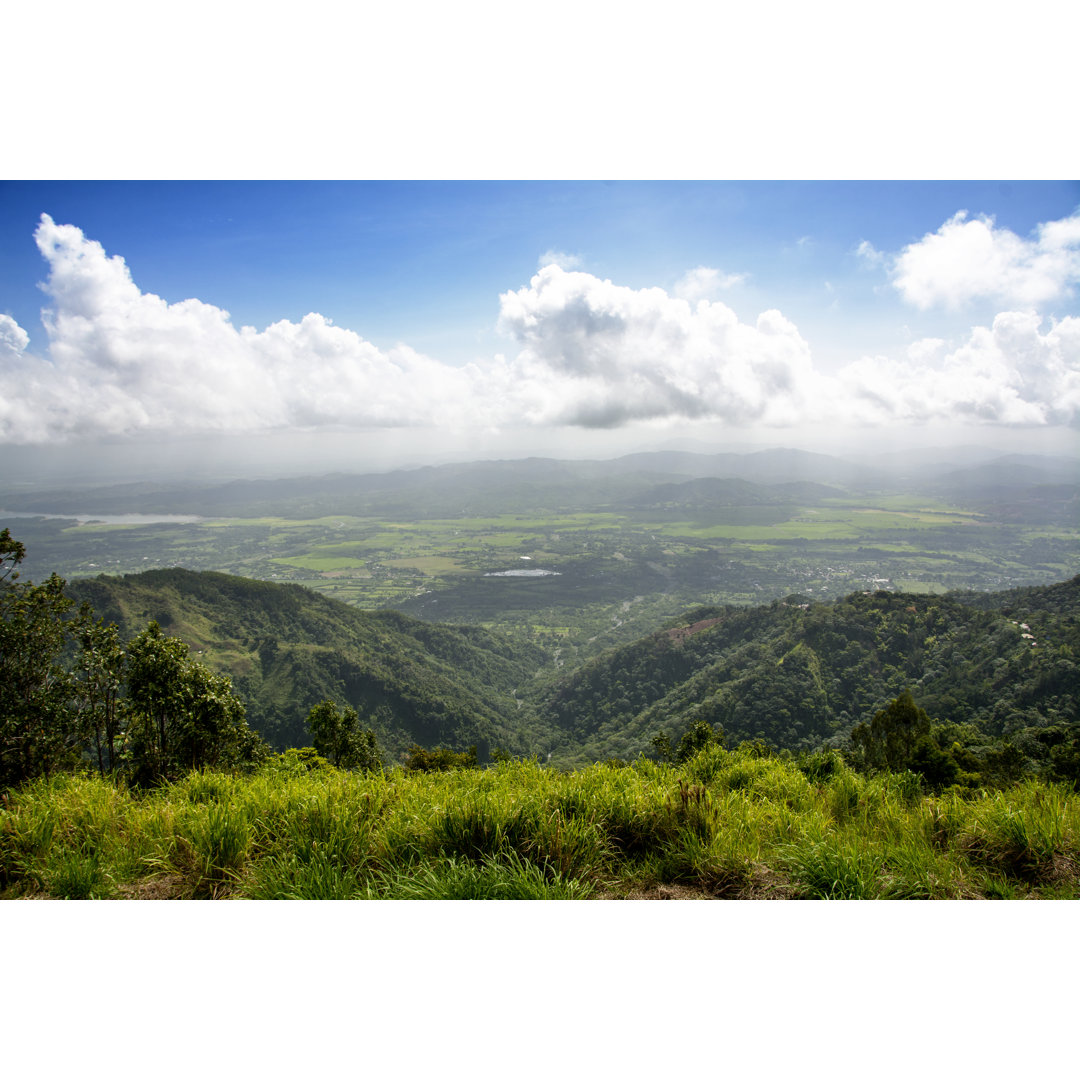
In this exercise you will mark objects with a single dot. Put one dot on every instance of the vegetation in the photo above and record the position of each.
(1001, 685)
(725, 824)
(68, 691)
(287, 649)
(337, 735)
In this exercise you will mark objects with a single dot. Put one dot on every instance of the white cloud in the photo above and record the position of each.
(13, 338)
(588, 354)
(123, 361)
(704, 282)
(973, 259)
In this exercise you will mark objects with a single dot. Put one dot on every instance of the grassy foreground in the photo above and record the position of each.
(725, 825)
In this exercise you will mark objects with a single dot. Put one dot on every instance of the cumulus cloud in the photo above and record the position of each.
(974, 259)
(122, 361)
(598, 354)
(13, 338)
(1010, 373)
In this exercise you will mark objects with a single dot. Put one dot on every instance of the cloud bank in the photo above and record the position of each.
(589, 353)
(1007, 374)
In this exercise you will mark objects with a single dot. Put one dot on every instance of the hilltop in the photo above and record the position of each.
(287, 648)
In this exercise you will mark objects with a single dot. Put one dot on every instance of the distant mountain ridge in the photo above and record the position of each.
(536, 483)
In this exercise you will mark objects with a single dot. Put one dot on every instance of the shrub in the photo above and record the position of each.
(441, 759)
(833, 870)
(77, 875)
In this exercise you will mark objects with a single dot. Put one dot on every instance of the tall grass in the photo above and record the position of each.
(725, 824)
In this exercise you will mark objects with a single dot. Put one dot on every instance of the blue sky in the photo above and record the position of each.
(425, 262)
(514, 316)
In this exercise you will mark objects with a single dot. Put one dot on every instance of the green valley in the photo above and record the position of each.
(625, 542)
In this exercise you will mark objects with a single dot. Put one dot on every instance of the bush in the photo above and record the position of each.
(441, 759)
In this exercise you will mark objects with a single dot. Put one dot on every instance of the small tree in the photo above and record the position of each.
(337, 736)
(662, 747)
(156, 671)
(12, 552)
(699, 735)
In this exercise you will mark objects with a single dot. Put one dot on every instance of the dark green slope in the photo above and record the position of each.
(287, 648)
(798, 674)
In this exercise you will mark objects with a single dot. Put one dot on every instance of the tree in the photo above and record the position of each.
(213, 729)
(699, 735)
(937, 767)
(889, 741)
(38, 731)
(337, 736)
(12, 552)
(661, 744)
(181, 715)
(156, 669)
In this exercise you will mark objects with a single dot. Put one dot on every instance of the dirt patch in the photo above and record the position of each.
(760, 883)
(670, 892)
(679, 634)
(167, 887)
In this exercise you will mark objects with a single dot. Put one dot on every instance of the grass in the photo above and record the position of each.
(725, 824)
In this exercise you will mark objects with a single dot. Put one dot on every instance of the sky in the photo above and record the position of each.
(515, 317)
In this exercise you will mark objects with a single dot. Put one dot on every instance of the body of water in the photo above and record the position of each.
(523, 573)
(108, 519)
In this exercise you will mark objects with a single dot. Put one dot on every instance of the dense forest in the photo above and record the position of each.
(998, 673)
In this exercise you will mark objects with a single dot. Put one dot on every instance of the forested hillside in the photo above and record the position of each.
(799, 674)
(287, 648)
